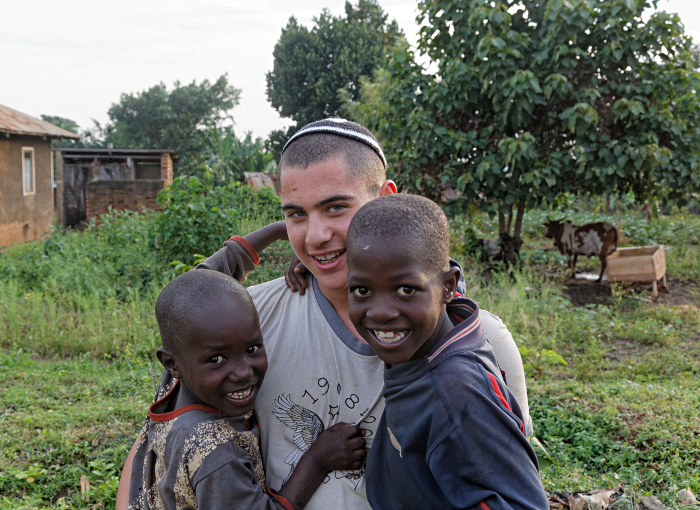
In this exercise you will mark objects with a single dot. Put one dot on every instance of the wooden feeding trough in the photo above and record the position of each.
(639, 264)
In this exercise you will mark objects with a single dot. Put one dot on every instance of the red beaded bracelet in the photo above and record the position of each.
(248, 247)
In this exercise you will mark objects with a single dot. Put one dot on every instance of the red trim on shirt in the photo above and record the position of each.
(484, 506)
(286, 504)
(498, 391)
(503, 400)
(159, 417)
(248, 247)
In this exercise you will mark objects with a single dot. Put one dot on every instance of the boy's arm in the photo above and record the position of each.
(486, 457)
(338, 447)
(234, 486)
(510, 361)
(125, 480)
(238, 257)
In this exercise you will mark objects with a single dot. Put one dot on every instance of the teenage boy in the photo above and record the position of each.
(202, 446)
(319, 366)
(452, 434)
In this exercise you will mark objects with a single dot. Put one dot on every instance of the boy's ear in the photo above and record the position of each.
(387, 188)
(449, 284)
(169, 362)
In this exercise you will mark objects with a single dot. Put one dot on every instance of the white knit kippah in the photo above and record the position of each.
(340, 127)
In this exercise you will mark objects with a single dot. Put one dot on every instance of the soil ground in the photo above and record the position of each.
(582, 292)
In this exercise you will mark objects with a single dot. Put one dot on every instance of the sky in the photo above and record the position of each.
(75, 58)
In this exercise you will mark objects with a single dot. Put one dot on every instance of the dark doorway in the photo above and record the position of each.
(75, 177)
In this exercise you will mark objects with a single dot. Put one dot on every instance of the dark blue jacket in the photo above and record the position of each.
(452, 434)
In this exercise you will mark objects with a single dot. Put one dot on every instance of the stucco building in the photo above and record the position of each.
(26, 175)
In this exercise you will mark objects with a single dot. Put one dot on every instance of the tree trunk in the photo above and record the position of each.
(501, 223)
(519, 221)
(510, 245)
(510, 218)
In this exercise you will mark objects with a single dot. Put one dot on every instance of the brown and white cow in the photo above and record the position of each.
(592, 239)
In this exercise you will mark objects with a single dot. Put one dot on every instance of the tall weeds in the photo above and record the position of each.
(84, 292)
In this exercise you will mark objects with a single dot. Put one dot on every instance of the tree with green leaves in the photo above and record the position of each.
(159, 118)
(523, 100)
(228, 156)
(312, 65)
(63, 123)
(90, 137)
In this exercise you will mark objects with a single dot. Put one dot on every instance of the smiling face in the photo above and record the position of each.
(318, 202)
(221, 359)
(396, 301)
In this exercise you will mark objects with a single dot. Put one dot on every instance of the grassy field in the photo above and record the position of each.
(77, 372)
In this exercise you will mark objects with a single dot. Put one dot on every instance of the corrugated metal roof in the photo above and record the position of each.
(12, 121)
(93, 150)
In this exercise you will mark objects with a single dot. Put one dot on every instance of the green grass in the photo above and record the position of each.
(61, 419)
(77, 372)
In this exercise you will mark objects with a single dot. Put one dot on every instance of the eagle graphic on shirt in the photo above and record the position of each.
(305, 423)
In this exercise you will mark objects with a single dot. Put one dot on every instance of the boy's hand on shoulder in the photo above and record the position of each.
(340, 447)
(295, 276)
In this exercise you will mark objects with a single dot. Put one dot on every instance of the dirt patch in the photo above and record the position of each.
(633, 420)
(680, 293)
(585, 292)
(63, 493)
(624, 349)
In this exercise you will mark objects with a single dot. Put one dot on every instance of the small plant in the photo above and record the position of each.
(181, 267)
(29, 475)
(535, 366)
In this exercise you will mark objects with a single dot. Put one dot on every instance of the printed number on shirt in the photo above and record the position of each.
(307, 419)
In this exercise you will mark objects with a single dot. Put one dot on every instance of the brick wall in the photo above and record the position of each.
(121, 195)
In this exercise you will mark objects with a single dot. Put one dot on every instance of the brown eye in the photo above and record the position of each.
(252, 349)
(217, 359)
(361, 292)
(405, 291)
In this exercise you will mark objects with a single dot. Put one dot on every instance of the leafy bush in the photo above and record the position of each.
(84, 292)
(198, 217)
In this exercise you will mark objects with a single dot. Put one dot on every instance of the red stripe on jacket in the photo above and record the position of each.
(499, 394)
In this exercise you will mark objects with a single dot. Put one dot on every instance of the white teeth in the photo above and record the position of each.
(240, 395)
(330, 257)
(390, 337)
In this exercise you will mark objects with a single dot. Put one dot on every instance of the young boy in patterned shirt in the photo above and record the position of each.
(452, 434)
(202, 447)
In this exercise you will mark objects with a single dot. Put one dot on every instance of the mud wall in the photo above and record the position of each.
(24, 217)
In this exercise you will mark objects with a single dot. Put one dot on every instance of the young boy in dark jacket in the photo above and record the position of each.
(452, 434)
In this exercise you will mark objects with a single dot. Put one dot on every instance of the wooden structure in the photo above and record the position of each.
(26, 175)
(257, 180)
(639, 264)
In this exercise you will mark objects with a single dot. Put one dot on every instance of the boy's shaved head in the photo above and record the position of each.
(407, 216)
(184, 302)
(331, 138)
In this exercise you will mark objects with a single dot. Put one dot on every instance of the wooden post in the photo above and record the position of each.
(654, 290)
(663, 280)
